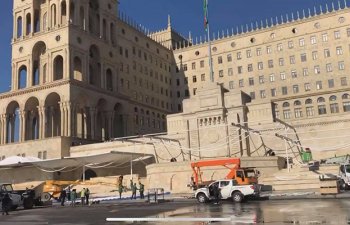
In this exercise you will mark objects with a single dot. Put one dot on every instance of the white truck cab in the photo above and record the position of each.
(228, 189)
(344, 173)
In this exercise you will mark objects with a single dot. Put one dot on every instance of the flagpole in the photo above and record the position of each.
(209, 46)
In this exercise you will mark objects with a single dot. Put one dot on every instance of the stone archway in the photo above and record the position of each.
(32, 124)
(52, 115)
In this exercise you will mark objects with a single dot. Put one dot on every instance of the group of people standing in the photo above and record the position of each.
(133, 188)
(72, 196)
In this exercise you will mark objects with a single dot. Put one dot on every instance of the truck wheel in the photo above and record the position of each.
(202, 198)
(28, 203)
(237, 197)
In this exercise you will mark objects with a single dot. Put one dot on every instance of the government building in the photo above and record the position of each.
(87, 80)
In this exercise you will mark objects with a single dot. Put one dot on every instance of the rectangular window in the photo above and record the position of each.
(310, 111)
(339, 50)
(184, 67)
(281, 61)
(252, 95)
(221, 73)
(346, 106)
(239, 55)
(318, 85)
(303, 57)
(301, 42)
(290, 44)
(261, 79)
(294, 74)
(202, 77)
(250, 67)
(241, 83)
(283, 76)
(249, 53)
(262, 94)
(295, 89)
(239, 69)
(307, 86)
(314, 55)
(322, 110)
(258, 51)
(327, 53)
(251, 81)
(337, 34)
(229, 58)
(230, 71)
(343, 81)
(329, 67)
(298, 113)
(270, 63)
(325, 37)
(305, 72)
(268, 50)
(330, 83)
(348, 32)
(313, 40)
(193, 66)
(317, 70)
(334, 108)
(286, 114)
(284, 90)
(201, 63)
(231, 85)
(194, 79)
(292, 59)
(220, 60)
(260, 65)
(279, 47)
(273, 92)
(341, 65)
(272, 77)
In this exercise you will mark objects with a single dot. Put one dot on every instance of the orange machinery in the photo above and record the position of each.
(241, 175)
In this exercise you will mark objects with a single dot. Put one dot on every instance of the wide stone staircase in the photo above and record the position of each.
(298, 178)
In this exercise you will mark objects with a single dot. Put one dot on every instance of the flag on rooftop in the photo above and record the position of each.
(205, 8)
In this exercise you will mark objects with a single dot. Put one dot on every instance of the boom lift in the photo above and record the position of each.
(243, 176)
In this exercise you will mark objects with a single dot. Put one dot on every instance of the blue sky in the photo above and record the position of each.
(187, 15)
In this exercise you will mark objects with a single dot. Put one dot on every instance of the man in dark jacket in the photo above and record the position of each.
(63, 196)
(216, 193)
(6, 204)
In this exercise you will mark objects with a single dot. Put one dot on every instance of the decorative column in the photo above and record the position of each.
(22, 122)
(93, 122)
(110, 124)
(68, 119)
(42, 119)
(63, 118)
(3, 129)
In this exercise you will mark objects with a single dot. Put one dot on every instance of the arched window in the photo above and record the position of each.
(109, 79)
(320, 100)
(104, 34)
(136, 110)
(28, 24)
(45, 21)
(44, 73)
(36, 21)
(308, 101)
(333, 98)
(112, 33)
(286, 104)
(82, 18)
(72, 13)
(297, 103)
(19, 27)
(22, 77)
(58, 68)
(63, 12)
(78, 75)
(53, 15)
(36, 73)
(345, 96)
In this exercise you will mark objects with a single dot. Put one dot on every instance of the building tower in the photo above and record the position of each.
(65, 75)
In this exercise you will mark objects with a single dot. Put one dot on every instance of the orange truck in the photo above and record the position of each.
(243, 176)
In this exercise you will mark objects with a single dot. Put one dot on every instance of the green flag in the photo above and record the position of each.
(205, 8)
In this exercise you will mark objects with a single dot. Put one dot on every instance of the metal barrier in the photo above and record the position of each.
(155, 195)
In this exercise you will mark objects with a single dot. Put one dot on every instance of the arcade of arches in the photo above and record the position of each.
(32, 120)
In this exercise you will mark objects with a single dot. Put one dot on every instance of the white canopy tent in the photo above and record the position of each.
(92, 161)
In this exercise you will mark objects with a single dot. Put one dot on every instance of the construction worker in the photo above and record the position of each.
(63, 196)
(134, 190)
(141, 189)
(6, 204)
(82, 197)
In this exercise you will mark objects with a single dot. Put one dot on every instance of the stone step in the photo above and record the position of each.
(294, 187)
